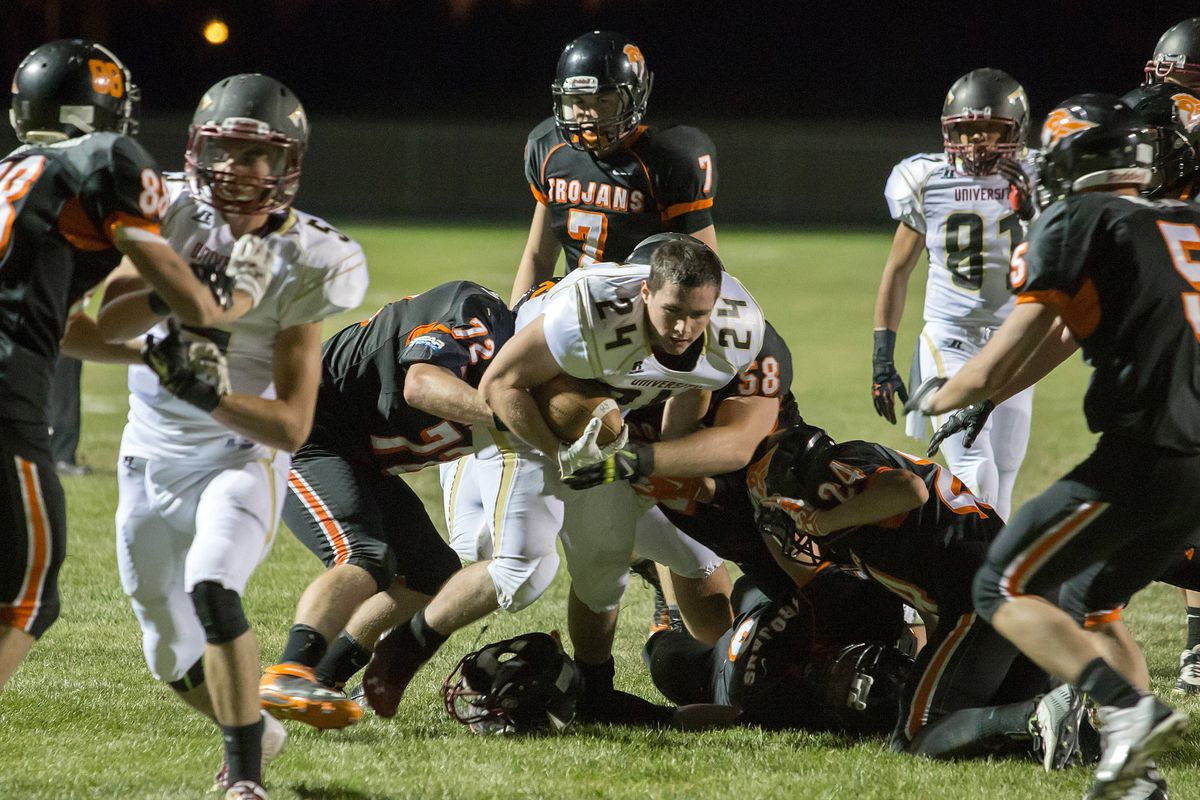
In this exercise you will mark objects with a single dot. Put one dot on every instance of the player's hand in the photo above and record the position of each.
(1020, 191)
(803, 515)
(919, 403)
(250, 266)
(626, 464)
(886, 385)
(583, 452)
(970, 419)
(195, 372)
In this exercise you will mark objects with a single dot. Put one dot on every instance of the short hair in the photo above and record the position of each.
(688, 264)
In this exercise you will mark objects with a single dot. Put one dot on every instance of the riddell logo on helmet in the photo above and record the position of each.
(1062, 123)
(581, 83)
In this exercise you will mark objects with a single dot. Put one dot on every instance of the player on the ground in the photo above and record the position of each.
(602, 180)
(967, 207)
(1176, 57)
(78, 195)
(398, 393)
(204, 458)
(1122, 273)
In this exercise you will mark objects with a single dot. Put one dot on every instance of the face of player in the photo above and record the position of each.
(587, 110)
(678, 316)
(1191, 82)
(240, 160)
(981, 132)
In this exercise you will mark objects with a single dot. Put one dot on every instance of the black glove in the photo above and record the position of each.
(629, 463)
(195, 372)
(886, 383)
(1020, 192)
(970, 419)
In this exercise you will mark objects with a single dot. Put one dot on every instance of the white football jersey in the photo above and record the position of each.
(595, 325)
(970, 232)
(317, 272)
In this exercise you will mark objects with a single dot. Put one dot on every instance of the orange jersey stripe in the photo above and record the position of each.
(546, 160)
(671, 212)
(119, 219)
(320, 513)
(539, 195)
(1081, 312)
(422, 329)
(918, 712)
(38, 528)
(1098, 618)
(78, 229)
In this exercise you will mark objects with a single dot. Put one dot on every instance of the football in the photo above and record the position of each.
(568, 404)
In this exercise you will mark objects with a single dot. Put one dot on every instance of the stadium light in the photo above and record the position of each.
(216, 32)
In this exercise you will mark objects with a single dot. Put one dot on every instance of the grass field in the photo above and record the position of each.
(84, 719)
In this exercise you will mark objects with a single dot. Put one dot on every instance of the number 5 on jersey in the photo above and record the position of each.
(591, 228)
(1183, 242)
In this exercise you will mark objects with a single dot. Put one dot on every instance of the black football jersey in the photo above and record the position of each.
(60, 206)
(664, 180)
(928, 555)
(361, 410)
(1125, 275)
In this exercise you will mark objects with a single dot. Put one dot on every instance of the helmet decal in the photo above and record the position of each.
(1061, 122)
(107, 78)
(1188, 106)
(634, 54)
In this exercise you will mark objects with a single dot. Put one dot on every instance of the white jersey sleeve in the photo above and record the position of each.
(592, 319)
(328, 274)
(905, 188)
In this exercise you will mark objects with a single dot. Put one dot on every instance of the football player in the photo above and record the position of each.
(603, 181)
(967, 207)
(398, 393)
(1119, 270)
(217, 412)
(1176, 57)
(78, 195)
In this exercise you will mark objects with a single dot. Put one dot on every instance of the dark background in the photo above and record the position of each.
(797, 95)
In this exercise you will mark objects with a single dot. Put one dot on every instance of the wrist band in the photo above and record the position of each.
(885, 345)
(498, 423)
(157, 304)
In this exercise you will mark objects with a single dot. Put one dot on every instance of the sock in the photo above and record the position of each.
(974, 732)
(597, 677)
(342, 660)
(1193, 618)
(243, 751)
(427, 639)
(1106, 685)
(305, 646)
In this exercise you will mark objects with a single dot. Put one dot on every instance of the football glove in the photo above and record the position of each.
(1020, 192)
(584, 451)
(919, 402)
(250, 266)
(801, 513)
(195, 372)
(627, 464)
(970, 420)
(886, 383)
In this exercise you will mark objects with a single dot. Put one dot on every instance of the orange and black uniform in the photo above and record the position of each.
(60, 206)
(345, 500)
(1124, 273)
(661, 179)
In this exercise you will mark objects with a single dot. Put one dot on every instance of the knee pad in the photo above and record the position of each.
(191, 679)
(520, 581)
(220, 612)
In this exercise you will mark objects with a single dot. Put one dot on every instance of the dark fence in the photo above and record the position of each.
(789, 173)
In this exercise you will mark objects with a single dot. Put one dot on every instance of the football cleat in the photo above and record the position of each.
(1059, 719)
(292, 691)
(274, 739)
(388, 674)
(246, 790)
(1188, 681)
(359, 695)
(1131, 738)
(665, 617)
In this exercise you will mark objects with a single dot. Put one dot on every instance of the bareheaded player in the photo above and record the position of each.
(204, 463)
(967, 207)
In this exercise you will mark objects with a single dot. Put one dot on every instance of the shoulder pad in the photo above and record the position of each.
(737, 327)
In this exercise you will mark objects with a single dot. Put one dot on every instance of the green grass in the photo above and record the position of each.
(84, 719)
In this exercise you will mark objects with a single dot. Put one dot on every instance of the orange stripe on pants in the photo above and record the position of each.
(38, 531)
(918, 711)
(320, 513)
(1021, 567)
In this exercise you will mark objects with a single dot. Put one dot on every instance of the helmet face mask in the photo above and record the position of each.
(600, 90)
(1173, 112)
(985, 117)
(794, 463)
(1176, 57)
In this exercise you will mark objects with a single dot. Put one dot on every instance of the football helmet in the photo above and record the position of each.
(72, 87)
(1173, 111)
(794, 462)
(521, 685)
(1101, 156)
(602, 65)
(862, 684)
(1177, 56)
(644, 250)
(984, 95)
(245, 145)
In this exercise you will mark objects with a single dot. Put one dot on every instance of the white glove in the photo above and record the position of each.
(250, 265)
(584, 452)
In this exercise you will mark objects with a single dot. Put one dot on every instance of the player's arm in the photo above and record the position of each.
(888, 493)
(524, 362)
(907, 244)
(82, 340)
(741, 423)
(1056, 347)
(285, 421)
(683, 412)
(439, 392)
(540, 256)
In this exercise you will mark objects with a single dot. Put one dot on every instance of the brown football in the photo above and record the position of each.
(568, 404)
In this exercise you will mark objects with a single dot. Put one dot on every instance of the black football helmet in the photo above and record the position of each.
(984, 95)
(1078, 113)
(599, 63)
(526, 684)
(793, 463)
(1177, 56)
(1173, 111)
(72, 87)
(644, 250)
(862, 684)
(1102, 156)
(245, 145)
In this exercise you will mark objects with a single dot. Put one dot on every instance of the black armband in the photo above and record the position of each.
(157, 304)
(498, 423)
(885, 346)
(726, 483)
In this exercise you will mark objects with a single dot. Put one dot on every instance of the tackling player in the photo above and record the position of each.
(967, 207)
(204, 458)
(1121, 272)
(78, 195)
